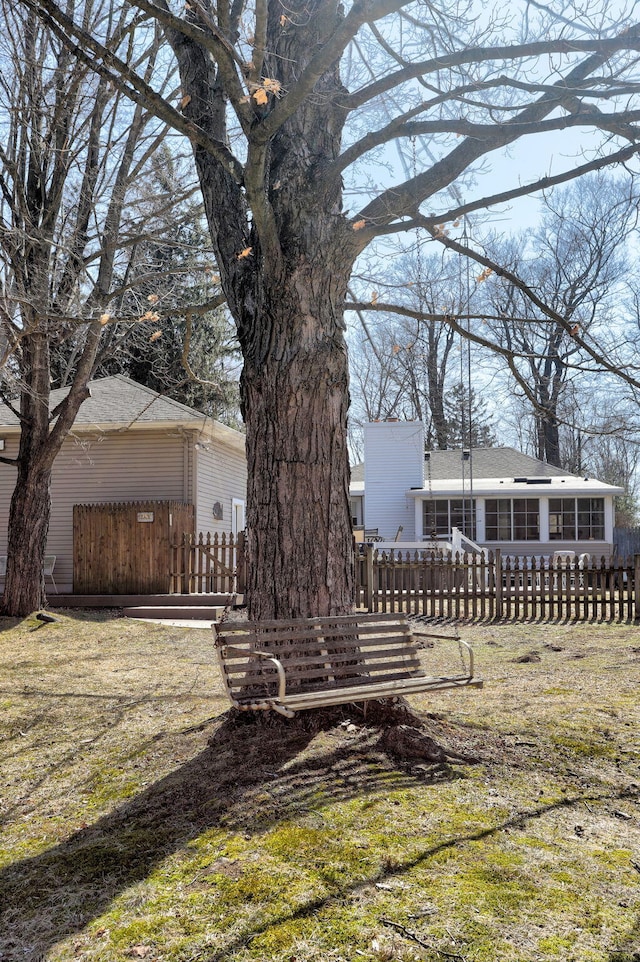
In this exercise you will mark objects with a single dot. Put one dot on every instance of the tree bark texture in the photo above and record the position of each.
(27, 541)
(30, 508)
(295, 395)
(40, 443)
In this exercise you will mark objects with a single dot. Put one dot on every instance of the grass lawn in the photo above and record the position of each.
(142, 820)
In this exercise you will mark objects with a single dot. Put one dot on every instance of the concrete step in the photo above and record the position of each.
(175, 613)
(131, 601)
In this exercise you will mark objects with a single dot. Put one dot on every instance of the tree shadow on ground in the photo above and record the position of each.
(48, 897)
(629, 950)
(253, 774)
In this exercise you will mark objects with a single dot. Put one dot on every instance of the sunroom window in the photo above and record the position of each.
(512, 519)
(576, 519)
(440, 516)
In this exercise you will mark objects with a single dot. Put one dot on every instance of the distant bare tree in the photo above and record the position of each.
(577, 263)
(415, 367)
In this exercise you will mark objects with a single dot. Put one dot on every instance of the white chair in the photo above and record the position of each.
(49, 565)
(584, 561)
(563, 556)
(562, 559)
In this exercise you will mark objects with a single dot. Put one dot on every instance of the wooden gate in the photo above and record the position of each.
(125, 548)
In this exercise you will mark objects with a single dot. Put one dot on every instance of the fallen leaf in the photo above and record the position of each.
(359, 224)
(260, 96)
(245, 253)
(140, 951)
(155, 335)
(153, 298)
(185, 100)
(105, 318)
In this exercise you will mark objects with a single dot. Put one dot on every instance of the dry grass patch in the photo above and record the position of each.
(142, 819)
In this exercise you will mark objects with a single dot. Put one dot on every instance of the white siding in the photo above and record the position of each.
(8, 476)
(538, 549)
(221, 476)
(132, 466)
(393, 463)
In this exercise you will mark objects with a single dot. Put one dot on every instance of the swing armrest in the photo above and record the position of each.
(469, 654)
(460, 642)
(282, 679)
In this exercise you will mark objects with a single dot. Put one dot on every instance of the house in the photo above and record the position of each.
(497, 497)
(130, 444)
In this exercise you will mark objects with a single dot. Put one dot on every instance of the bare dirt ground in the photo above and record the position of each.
(141, 818)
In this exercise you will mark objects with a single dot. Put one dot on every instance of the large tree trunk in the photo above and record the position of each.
(27, 540)
(295, 397)
(30, 509)
(40, 443)
(436, 368)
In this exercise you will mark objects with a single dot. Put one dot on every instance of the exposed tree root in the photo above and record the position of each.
(406, 741)
(404, 733)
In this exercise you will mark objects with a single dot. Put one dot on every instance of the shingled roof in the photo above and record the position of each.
(119, 402)
(486, 463)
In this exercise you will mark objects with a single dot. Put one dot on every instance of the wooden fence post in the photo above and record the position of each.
(241, 563)
(636, 587)
(497, 561)
(368, 590)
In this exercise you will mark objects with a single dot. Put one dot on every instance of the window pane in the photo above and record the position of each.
(436, 518)
(498, 519)
(526, 519)
(590, 519)
(562, 519)
(463, 516)
(429, 518)
(439, 517)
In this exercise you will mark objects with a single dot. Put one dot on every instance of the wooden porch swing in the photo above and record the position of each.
(289, 666)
